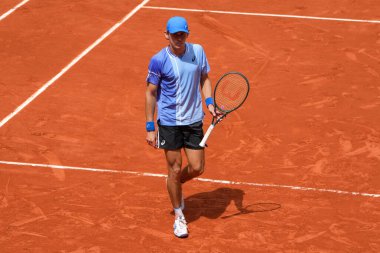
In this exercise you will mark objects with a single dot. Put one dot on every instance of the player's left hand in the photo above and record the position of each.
(214, 112)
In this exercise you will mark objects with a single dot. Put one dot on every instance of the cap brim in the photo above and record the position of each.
(178, 30)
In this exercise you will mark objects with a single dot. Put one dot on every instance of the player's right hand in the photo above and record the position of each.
(151, 139)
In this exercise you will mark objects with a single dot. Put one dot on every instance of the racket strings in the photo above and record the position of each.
(231, 91)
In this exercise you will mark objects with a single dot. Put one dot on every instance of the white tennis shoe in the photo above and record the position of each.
(180, 227)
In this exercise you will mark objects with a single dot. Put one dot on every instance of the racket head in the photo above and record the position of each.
(231, 91)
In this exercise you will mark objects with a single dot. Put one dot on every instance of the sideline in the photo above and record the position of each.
(3, 16)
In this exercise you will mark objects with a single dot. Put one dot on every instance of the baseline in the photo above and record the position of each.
(217, 181)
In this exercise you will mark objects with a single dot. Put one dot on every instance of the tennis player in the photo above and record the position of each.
(177, 77)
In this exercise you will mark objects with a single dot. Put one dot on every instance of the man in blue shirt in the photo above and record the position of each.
(177, 75)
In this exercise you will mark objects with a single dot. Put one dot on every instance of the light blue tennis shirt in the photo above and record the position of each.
(179, 99)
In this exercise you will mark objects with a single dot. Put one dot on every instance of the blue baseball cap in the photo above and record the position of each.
(177, 24)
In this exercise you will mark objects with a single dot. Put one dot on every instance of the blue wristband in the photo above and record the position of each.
(209, 101)
(150, 126)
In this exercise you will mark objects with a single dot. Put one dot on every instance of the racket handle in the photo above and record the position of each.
(205, 137)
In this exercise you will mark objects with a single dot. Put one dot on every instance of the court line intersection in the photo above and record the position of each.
(71, 64)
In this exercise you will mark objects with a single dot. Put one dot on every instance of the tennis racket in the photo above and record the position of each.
(230, 93)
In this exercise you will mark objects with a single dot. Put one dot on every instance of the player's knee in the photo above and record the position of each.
(175, 172)
(199, 169)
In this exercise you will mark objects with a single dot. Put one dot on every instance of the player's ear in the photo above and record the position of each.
(166, 33)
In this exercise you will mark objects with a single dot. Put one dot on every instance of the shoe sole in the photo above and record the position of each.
(182, 236)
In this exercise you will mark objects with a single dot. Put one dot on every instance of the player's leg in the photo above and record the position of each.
(195, 154)
(174, 163)
(171, 140)
(174, 186)
(196, 164)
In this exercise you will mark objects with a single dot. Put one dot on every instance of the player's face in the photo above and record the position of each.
(177, 41)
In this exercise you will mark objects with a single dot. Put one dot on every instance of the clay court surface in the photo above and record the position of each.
(302, 154)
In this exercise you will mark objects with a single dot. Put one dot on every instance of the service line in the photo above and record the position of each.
(71, 64)
(265, 14)
(13, 9)
(217, 181)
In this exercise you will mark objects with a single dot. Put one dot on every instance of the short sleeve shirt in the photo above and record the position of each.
(179, 99)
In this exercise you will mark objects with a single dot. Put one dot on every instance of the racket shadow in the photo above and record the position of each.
(213, 204)
(255, 208)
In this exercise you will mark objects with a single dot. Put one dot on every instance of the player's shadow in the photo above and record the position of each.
(213, 204)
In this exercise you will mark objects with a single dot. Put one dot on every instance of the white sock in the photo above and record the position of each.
(178, 212)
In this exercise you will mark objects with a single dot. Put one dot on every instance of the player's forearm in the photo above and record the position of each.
(206, 87)
(150, 105)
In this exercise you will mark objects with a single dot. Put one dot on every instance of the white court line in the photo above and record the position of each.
(265, 14)
(146, 174)
(72, 63)
(13, 9)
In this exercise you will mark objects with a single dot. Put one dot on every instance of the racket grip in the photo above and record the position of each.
(205, 137)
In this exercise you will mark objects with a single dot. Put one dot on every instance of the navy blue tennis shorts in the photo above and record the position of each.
(177, 137)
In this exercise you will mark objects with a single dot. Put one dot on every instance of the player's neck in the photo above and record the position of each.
(178, 51)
